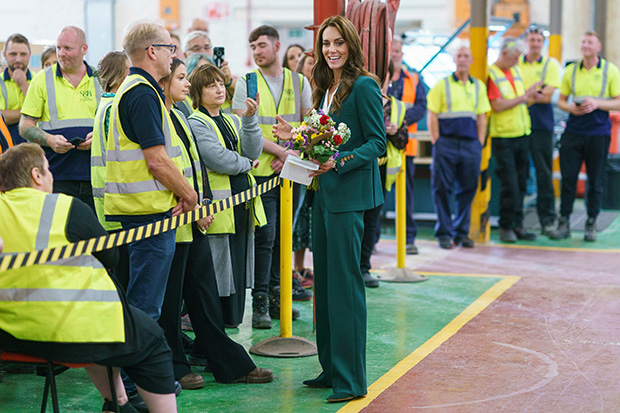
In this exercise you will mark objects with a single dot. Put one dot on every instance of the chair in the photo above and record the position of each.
(50, 369)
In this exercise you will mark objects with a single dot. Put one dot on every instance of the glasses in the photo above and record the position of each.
(172, 47)
(198, 48)
(535, 30)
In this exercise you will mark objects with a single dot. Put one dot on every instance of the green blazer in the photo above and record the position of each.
(355, 185)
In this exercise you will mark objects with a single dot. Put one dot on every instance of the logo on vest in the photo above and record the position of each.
(86, 95)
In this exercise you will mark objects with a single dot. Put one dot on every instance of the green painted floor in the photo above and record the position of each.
(401, 318)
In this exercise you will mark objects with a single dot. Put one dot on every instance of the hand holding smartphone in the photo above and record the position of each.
(76, 141)
(252, 85)
(218, 56)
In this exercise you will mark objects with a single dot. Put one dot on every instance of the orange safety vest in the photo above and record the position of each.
(410, 86)
(6, 135)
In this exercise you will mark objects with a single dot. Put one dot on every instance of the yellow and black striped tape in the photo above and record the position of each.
(25, 259)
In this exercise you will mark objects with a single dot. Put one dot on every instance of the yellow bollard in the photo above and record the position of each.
(286, 258)
(401, 213)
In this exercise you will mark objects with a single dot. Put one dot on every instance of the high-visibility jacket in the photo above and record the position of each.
(224, 221)
(514, 122)
(72, 300)
(191, 162)
(410, 87)
(394, 158)
(289, 108)
(5, 136)
(12, 98)
(131, 188)
(98, 160)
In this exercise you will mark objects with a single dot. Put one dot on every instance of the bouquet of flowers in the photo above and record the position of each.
(318, 137)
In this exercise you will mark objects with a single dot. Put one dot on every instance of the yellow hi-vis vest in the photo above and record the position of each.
(224, 221)
(131, 188)
(72, 300)
(289, 108)
(98, 162)
(184, 233)
(394, 158)
(515, 121)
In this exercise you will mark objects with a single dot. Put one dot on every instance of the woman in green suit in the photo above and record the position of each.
(348, 187)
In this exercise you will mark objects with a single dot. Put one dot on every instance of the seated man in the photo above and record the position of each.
(70, 310)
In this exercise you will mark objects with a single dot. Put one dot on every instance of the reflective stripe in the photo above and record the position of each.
(78, 261)
(134, 187)
(455, 115)
(97, 161)
(272, 120)
(5, 92)
(409, 105)
(55, 294)
(221, 193)
(98, 192)
(603, 83)
(54, 122)
(544, 71)
(297, 90)
(45, 226)
(188, 172)
(125, 156)
(413, 135)
(392, 171)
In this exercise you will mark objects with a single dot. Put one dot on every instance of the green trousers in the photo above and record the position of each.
(340, 297)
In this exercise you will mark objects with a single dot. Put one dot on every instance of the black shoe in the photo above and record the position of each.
(274, 305)
(563, 229)
(464, 242)
(411, 249)
(17, 368)
(299, 292)
(177, 388)
(109, 406)
(590, 230)
(188, 342)
(507, 235)
(370, 281)
(523, 235)
(445, 243)
(260, 314)
(547, 230)
(137, 402)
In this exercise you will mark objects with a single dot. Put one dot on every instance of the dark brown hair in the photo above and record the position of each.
(16, 165)
(17, 38)
(268, 31)
(111, 70)
(49, 50)
(285, 58)
(323, 76)
(201, 77)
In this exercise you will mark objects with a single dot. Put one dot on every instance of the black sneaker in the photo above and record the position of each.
(464, 242)
(137, 402)
(563, 229)
(370, 281)
(445, 243)
(507, 235)
(260, 314)
(523, 235)
(299, 292)
(590, 230)
(274, 305)
(188, 342)
(110, 406)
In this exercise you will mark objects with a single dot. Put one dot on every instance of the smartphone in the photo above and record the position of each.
(76, 141)
(540, 89)
(252, 85)
(218, 56)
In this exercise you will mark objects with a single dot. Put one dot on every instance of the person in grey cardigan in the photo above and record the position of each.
(229, 146)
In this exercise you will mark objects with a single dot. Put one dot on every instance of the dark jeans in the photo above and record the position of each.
(267, 240)
(372, 227)
(81, 190)
(574, 150)
(149, 265)
(512, 156)
(455, 161)
(412, 227)
(541, 150)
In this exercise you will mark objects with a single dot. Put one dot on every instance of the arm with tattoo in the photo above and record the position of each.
(29, 130)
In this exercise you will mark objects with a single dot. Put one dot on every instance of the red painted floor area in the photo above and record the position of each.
(551, 343)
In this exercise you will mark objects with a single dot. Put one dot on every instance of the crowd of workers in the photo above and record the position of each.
(148, 136)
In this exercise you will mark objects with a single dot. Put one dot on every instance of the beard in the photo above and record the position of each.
(15, 66)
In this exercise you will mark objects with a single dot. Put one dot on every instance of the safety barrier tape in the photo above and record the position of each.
(26, 259)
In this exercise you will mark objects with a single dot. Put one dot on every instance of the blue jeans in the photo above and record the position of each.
(149, 265)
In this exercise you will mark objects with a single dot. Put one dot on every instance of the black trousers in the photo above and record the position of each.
(372, 226)
(541, 150)
(574, 150)
(512, 156)
(81, 190)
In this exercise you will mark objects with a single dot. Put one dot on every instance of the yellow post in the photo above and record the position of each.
(555, 27)
(480, 228)
(286, 258)
(401, 213)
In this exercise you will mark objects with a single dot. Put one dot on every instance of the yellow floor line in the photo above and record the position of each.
(432, 344)
(564, 249)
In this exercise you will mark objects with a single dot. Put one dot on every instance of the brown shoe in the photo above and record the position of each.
(258, 375)
(192, 381)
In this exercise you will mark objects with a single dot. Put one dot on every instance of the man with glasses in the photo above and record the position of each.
(534, 68)
(144, 171)
(509, 130)
(58, 114)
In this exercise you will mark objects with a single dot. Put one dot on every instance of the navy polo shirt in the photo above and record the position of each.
(139, 111)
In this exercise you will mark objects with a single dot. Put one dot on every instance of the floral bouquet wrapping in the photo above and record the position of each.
(318, 137)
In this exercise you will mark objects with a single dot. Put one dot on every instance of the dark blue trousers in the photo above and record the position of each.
(456, 164)
(412, 227)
